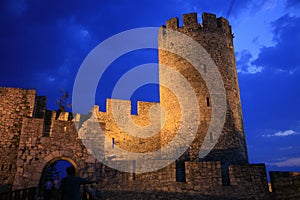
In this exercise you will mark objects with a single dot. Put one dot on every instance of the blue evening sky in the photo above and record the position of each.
(43, 43)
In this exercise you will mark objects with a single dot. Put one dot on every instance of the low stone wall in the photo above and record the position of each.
(285, 185)
(203, 181)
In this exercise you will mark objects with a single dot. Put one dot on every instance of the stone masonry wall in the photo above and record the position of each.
(36, 151)
(122, 138)
(14, 105)
(203, 181)
(285, 185)
(38, 147)
(215, 35)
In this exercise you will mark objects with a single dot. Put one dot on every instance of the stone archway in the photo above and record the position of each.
(29, 174)
(42, 180)
(70, 160)
(59, 155)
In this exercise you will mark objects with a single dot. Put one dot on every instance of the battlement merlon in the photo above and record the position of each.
(190, 20)
(172, 23)
(209, 22)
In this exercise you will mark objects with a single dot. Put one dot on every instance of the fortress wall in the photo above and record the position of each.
(40, 107)
(203, 180)
(204, 174)
(249, 179)
(15, 104)
(114, 180)
(124, 136)
(37, 150)
(159, 177)
(285, 185)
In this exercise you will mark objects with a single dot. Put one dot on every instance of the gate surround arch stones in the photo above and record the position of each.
(48, 164)
(65, 158)
(64, 155)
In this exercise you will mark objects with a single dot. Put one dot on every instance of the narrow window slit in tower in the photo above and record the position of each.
(10, 167)
(2, 167)
(204, 68)
(211, 137)
(180, 172)
(207, 102)
(113, 143)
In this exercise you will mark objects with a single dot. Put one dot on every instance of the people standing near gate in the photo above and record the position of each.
(56, 186)
(70, 185)
(48, 189)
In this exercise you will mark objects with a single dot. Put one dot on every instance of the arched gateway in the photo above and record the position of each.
(38, 150)
(50, 174)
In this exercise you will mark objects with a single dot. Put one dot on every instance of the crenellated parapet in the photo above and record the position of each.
(123, 128)
(209, 23)
(54, 125)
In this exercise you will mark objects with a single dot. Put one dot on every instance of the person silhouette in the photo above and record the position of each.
(48, 189)
(70, 185)
(56, 186)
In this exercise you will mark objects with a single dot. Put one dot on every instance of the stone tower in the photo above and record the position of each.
(215, 36)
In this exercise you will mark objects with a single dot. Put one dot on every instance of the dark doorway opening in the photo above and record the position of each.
(53, 172)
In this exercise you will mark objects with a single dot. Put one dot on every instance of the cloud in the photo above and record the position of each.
(295, 147)
(284, 55)
(291, 162)
(252, 70)
(282, 134)
(285, 148)
(244, 65)
(270, 4)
